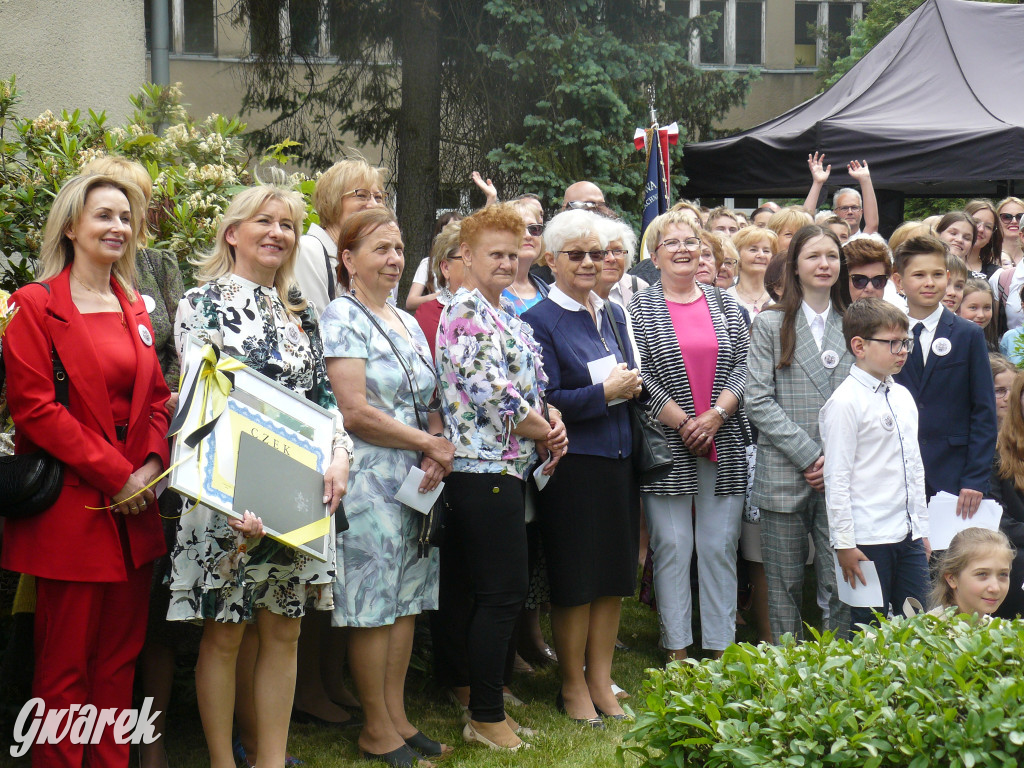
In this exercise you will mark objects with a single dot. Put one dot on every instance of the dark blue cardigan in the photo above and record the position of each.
(569, 341)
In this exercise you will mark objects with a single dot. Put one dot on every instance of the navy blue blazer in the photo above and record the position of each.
(569, 341)
(956, 408)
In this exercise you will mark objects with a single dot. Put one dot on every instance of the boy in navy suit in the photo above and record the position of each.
(949, 376)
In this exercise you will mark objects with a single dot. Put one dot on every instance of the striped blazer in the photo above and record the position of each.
(665, 379)
(783, 404)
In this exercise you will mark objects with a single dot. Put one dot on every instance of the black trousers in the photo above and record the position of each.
(483, 584)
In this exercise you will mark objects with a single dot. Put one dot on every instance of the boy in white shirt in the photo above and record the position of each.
(874, 476)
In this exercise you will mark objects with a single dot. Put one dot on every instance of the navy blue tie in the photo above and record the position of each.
(917, 356)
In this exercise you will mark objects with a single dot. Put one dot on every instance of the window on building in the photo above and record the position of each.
(823, 29)
(199, 26)
(738, 38)
(304, 27)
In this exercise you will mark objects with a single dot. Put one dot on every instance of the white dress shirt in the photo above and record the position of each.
(874, 476)
(928, 334)
(311, 267)
(816, 321)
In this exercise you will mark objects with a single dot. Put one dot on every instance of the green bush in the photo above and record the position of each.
(196, 167)
(920, 692)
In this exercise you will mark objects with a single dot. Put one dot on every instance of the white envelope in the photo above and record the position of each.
(409, 494)
(600, 370)
(865, 595)
(943, 523)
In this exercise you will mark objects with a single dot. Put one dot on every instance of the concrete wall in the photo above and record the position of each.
(73, 55)
(770, 96)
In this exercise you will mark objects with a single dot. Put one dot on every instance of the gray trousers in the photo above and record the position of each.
(784, 548)
(673, 535)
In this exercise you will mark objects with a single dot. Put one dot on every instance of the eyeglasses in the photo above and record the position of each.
(454, 257)
(730, 263)
(848, 209)
(580, 255)
(1008, 217)
(535, 230)
(896, 345)
(586, 205)
(618, 253)
(691, 244)
(365, 195)
(860, 282)
(1002, 392)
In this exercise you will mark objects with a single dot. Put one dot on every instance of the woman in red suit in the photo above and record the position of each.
(92, 551)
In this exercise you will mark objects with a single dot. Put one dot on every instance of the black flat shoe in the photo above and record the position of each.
(594, 722)
(403, 757)
(305, 718)
(622, 716)
(426, 746)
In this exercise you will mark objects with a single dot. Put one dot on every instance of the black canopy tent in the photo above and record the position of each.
(936, 108)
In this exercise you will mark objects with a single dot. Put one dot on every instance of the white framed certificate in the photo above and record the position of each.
(285, 439)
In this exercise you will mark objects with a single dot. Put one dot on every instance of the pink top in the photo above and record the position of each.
(699, 347)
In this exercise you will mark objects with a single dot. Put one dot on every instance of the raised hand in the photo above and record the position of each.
(819, 174)
(858, 170)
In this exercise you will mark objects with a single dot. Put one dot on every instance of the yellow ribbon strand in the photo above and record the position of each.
(305, 534)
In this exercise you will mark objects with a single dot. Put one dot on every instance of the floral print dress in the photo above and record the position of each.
(380, 574)
(211, 577)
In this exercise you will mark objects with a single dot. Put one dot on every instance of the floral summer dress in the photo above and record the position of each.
(210, 577)
(380, 574)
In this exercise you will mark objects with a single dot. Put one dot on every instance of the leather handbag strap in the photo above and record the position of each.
(332, 287)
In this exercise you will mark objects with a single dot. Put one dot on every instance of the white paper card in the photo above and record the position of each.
(538, 477)
(600, 370)
(409, 494)
(865, 595)
(943, 523)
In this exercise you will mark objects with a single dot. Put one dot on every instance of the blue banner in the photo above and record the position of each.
(656, 188)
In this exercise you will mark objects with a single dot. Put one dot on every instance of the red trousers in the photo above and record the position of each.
(87, 638)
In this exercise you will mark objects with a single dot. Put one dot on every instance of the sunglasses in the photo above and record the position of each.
(582, 205)
(535, 230)
(1008, 217)
(581, 255)
(860, 282)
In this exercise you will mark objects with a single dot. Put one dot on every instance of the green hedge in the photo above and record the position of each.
(921, 692)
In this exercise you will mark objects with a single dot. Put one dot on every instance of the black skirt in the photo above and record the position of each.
(589, 515)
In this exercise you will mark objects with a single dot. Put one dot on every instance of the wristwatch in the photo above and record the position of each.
(721, 412)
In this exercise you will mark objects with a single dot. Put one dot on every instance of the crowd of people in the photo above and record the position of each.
(815, 383)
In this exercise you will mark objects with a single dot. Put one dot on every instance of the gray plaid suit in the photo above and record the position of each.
(783, 404)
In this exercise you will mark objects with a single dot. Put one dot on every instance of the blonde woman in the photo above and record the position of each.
(248, 305)
(92, 552)
(755, 247)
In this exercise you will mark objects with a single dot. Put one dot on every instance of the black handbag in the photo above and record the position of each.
(31, 482)
(432, 523)
(652, 454)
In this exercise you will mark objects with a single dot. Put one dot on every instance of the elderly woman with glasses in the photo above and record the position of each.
(590, 510)
(347, 187)
(693, 354)
(492, 385)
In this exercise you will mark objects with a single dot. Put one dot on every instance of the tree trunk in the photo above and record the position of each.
(419, 130)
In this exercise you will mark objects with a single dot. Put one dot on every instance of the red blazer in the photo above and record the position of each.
(68, 541)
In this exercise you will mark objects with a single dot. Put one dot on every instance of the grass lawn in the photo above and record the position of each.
(560, 743)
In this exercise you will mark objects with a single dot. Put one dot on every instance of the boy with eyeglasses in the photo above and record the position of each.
(874, 474)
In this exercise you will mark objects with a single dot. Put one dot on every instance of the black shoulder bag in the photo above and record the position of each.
(31, 482)
(652, 454)
(432, 523)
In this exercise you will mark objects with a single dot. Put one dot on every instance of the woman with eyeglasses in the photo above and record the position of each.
(347, 187)
(492, 387)
(984, 257)
(1007, 482)
(693, 354)
(589, 513)
(527, 290)
(379, 365)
